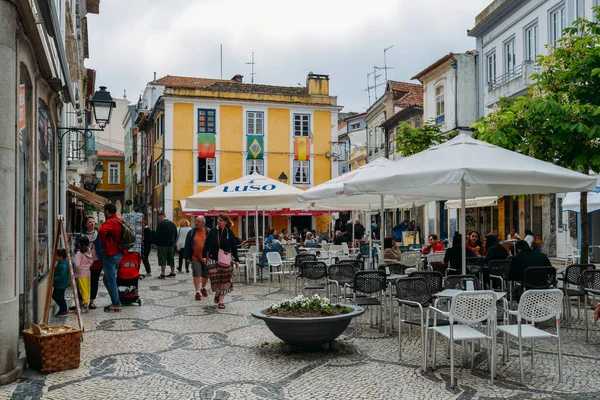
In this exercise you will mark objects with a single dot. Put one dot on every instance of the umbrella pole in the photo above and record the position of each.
(463, 225)
(329, 226)
(370, 237)
(382, 229)
(246, 225)
(257, 242)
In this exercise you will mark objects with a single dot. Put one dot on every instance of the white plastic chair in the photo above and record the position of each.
(436, 257)
(325, 245)
(410, 259)
(468, 308)
(534, 306)
(274, 261)
(573, 254)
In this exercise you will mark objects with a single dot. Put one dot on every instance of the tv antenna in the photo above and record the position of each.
(385, 67)
(375, 84)
(252, 73)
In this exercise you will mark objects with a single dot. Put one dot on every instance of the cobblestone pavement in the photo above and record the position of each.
(173, 347)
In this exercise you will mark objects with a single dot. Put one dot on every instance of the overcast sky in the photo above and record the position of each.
(344, 39)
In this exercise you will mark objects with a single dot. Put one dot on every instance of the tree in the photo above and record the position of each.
(558, 120)
(411, 141)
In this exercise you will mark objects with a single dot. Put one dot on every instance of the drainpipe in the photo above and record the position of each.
(455, 68)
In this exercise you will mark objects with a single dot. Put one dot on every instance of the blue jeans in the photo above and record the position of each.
(110, 265)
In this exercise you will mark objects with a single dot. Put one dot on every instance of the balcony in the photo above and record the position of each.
(511, 83)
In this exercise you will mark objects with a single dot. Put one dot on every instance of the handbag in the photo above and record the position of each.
(223, 257)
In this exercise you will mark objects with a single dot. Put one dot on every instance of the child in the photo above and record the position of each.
(60, 283)
(83, 260)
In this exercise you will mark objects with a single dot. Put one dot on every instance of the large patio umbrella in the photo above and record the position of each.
(571, 200)
(464, 167)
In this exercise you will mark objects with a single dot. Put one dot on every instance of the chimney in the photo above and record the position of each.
(238, 78)
(154, 77)
(317, 84)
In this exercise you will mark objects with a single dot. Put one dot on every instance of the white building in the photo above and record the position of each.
(509, 36)
(449, 99)
(113, 134)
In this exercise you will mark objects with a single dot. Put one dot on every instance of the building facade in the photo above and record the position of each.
(131, 156)
(204, 132)
(509, 35)
(43, 87)
(112, 185)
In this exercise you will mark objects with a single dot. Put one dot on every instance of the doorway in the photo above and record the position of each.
(302, 222)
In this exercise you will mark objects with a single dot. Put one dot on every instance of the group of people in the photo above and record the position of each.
(210, 253)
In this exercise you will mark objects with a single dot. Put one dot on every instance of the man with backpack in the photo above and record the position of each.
(165, 239)
(110, 235)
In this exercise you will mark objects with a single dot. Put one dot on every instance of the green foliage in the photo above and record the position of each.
(411, 141)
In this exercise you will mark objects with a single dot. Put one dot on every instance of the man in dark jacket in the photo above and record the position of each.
(359, 230)
(165, 238)
(495, 251)
(525, 258)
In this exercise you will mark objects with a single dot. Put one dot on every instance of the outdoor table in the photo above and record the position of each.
(449, 293)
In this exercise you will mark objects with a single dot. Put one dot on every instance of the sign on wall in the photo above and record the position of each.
(301, 149)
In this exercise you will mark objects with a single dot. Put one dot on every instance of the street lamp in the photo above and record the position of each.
(140, 187)
(102, 104)
(99, 171)
(283, 178)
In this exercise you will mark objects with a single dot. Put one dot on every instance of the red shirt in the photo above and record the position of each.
(437, 246)
(110, 233)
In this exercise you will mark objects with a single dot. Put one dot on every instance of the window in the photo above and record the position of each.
(301, 172)
(254, 123)
(509, 57)
(159, 127)
(439, 104)
(206, 169)
(301, 124)
(491, 68)
(531, 43)
(558, 22)
(580, 9)
(114, 176)
(255, 167)
(355, 126)
(158, 172)
(206, 121)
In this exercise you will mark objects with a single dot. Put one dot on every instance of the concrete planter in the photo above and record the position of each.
(308, 332)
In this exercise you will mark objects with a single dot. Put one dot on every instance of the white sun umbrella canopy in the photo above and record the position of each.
(464, 167)
(572, 199)
(248, 193)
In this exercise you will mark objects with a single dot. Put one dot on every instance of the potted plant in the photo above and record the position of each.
(308, 322)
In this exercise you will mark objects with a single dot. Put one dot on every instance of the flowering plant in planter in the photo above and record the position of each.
(306, 307)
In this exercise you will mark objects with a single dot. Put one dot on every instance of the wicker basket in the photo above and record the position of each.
(53, 348)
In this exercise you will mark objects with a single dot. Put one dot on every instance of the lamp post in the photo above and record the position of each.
(283, 178)
(92, 185)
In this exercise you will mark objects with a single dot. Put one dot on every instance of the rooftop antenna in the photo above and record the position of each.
(221, 61)
(125, 94)
(385, 67)
(375, 84)
(252, 73)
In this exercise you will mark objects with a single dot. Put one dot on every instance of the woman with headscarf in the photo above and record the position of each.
(220, 251)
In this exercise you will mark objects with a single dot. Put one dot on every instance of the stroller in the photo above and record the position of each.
(128, 276)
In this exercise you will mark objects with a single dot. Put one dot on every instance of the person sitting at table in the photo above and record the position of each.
(525, 258)
(324, 237)
(513, 235)
(270, 235)
(339, 238)
(529, 238)
(433, 246)
(454, 253)
(296, 238)
(310, 238)
(495, 251)
(473, 244)
(391, 254)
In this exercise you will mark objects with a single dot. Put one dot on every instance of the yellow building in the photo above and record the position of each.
(112, 186)
(208, 132)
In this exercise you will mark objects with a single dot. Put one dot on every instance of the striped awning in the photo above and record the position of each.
(88, 197)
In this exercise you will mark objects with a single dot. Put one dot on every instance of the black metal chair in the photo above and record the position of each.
(459, 282)
(371, 283)
(395, 268)
(591, 285)
(539, 278)
(341, 275)
(413, 292)
(574, 276)
(435, 280)
(313, 271)
(498, 270)
(358, 264)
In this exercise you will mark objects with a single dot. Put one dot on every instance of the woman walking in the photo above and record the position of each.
(220, 250)
(182, 232)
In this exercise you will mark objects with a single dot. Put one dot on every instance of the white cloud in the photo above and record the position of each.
(345, 39)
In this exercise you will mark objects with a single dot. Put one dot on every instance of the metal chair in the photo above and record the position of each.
(298, 260)
(313, 271)
(534, 306)
(412, 247)
(435, 280)
(574, 276)
(498, 270)
(395, 268)
(458, 282)
(591, 285)
(413, 292)
(435, 257)
(468, 308)
(274, 261)
(402, 249)
(539, 278)
(341, 275)
(410, 259)
(370, 283)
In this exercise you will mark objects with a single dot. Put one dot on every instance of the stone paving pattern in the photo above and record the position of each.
(173, 347)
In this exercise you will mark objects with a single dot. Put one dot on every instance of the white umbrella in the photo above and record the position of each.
(571, 200)
(464, 166)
